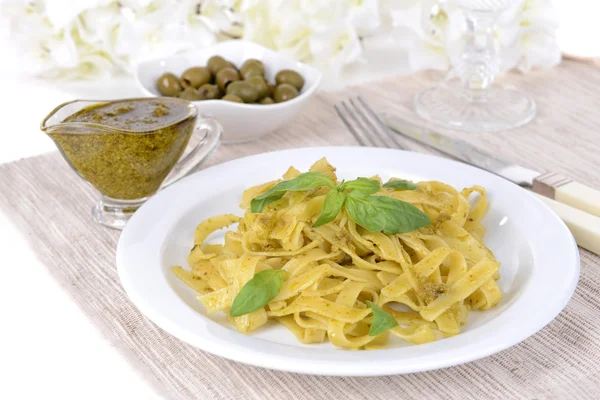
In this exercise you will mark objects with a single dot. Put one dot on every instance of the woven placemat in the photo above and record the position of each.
(51, 206)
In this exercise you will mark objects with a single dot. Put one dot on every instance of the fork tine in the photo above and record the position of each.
(374, 128)
(384, 129)
(359, 128)
(365, 125)
(350, 127)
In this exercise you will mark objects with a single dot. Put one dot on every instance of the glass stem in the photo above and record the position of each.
(479, 62)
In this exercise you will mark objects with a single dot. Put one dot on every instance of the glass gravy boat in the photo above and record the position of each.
(125, 163)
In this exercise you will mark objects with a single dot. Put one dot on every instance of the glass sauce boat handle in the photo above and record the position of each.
(208, 134)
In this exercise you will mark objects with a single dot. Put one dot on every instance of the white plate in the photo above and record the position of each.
(540, 264)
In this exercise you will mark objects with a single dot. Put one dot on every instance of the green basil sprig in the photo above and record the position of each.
(257, 292)
(375, 213)
(363, 185)
(331, 207)
(384, 214)
(382, 321)
(257, 205)
(399, 184)
(303, 182)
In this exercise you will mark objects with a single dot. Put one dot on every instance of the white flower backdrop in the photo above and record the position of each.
(91, 38)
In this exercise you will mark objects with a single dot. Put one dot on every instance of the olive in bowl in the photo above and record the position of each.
(251, 68)
(284, 92)
(216, 63)
(195, 77)
(241, 121)
(249, 83)
(209, 92)
(190, 94)
(243, 90)
(225, 76)
(168, 85)
(290, 77)
(258, 82)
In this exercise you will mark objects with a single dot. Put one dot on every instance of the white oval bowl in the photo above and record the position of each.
(241, 122)
(539, 264)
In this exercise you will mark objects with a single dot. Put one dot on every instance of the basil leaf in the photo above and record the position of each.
(384, 214)
(331, 208)
(257, 205)
(363, 185)
(382, 321)
(400, 184)
(305, 181)
(257, 292)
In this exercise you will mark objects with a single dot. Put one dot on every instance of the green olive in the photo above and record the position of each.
(243, 90)
(232, 97)
(284, 92)
(209, 92)
(195, 77)
(291, 77)
(260, 85)
(190, 94)
(266, 100)
(254, 61)
(216, 63)
(168, 85)
(250, 70)
(225, 76)
(271, 88)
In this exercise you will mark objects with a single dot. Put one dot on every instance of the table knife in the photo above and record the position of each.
(548, 184)
(576, 204)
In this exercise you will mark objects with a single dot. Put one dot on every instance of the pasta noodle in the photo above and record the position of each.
(428, 279)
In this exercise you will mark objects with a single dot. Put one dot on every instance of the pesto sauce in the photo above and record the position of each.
(132, 152)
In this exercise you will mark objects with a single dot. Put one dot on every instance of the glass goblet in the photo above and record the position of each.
(468, 99)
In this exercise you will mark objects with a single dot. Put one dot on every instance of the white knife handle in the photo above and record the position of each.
(579, 196)
(566, 191)
(584, 227)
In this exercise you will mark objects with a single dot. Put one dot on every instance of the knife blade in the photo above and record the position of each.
(549, 184)
(462, 151)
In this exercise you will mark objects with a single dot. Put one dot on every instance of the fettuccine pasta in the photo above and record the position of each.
(427, 280)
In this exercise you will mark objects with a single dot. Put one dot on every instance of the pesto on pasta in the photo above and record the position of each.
(350, 262)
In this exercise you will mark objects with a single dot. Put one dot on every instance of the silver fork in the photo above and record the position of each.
(366, 127)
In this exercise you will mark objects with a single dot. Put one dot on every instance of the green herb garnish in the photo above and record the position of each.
(384, 214)
(257, 205)
(363, 185)
(399, 184)
(331, 208)
(303, 182)
(257, 292)
(375, 213)
(382, 321)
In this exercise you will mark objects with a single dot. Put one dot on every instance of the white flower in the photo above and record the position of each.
(146, 34)
(218, 16)
(325, 34)
(85, 38)
(421, 28)
(365, 17)
(61, 15)
(335, 49)
(525, 34)
(533, 41)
